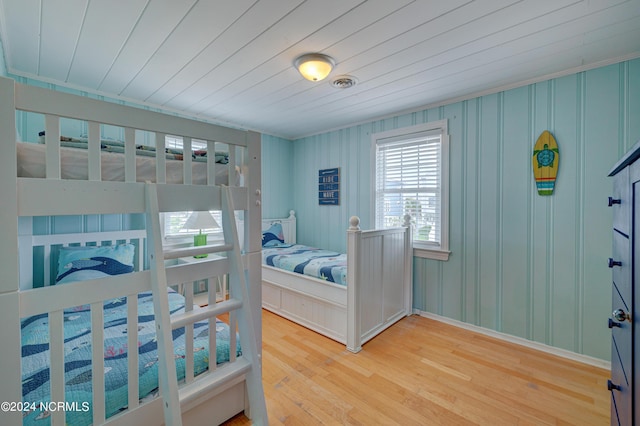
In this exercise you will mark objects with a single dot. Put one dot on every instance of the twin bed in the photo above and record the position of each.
(350, 297)
(73, 305)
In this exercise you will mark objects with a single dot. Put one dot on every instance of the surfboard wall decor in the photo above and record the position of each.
(545, 163)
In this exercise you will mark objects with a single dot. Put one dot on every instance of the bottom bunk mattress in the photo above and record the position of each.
(318, 263)
(77, 349)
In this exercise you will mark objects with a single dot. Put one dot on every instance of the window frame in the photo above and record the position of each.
(420, 249)
(186, 238)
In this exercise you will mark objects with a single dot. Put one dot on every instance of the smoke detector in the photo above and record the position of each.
(344, 81)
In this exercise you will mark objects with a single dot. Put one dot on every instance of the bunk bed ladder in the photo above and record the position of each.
(239, 287)
(248, 364)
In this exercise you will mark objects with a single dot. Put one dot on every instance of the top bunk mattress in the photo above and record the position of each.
(318, 263)
(74, 165)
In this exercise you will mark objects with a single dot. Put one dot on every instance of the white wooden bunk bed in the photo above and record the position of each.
(377, 294)
(207, 392)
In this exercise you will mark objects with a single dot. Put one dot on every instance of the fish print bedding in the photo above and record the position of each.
(77, 349)
(318, 263)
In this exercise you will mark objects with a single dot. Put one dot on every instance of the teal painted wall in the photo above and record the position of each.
(3, 64)
(277, 176)
(529, 266)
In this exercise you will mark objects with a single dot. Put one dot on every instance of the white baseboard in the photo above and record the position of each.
(585, 359)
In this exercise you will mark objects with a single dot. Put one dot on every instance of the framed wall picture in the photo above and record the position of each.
(329, 187)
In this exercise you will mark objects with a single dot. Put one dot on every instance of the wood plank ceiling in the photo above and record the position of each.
(230, 62)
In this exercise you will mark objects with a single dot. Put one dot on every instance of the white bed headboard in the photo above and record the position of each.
(288, 226)
(47, 255)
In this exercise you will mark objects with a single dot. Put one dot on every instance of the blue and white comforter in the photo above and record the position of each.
(77, 347)
(323, 264)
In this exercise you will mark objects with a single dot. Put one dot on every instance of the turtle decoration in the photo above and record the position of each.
(545, 161)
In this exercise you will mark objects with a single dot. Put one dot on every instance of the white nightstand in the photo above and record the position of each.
(202, 299)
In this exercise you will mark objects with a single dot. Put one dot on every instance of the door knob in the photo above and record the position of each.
(620, 315)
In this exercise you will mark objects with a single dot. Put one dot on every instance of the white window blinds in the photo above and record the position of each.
(409, 179)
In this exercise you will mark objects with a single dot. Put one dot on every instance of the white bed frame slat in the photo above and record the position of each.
(194, 271)
(95, 167)
(129, 154)
(198, 197)
(161, 158)
(39, 300)
(132, 356)
(52, 141)
(68, 197)
(188, 359)
(47, 270)
(56, 370)
(180, 320)
(97, 362)
(186, 161)
(211, 163)
(87, 237)
(233, 340)
(232, 161)
(9, 264)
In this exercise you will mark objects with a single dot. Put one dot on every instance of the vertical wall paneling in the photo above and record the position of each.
(563, 309)
(601, 150)
(453, 295)
(488, 211)
(580, 196)
(499, 215)
(277, 177)
(540, 226)
(516, 174)
(527, 265)
(550, 220)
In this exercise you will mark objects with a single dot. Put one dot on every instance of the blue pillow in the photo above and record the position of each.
(273, 236)
(87, 263)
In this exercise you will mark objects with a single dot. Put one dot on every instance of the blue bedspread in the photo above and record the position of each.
(323, 264)
(77, 348)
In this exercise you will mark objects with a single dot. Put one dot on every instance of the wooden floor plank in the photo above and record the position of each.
(421, 371)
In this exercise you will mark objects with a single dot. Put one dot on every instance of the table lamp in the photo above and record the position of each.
(200, 221)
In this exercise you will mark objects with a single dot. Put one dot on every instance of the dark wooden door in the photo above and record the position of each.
(621, 262)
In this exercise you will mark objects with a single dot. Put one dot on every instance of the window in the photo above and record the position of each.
(173, 222)
(175, 142)
(412, 176)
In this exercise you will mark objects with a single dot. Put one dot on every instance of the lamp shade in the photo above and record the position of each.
(200, 220)
(314, 66)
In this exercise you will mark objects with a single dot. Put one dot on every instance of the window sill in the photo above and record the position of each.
(186, 241)
(435, 254)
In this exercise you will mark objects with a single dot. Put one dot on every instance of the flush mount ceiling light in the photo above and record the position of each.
(314, 66)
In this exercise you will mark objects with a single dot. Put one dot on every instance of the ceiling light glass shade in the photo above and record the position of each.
(314, 66)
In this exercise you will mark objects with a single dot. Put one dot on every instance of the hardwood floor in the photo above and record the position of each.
(423, 372)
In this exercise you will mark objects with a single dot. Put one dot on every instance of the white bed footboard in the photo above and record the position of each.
(378, 291)
(379, 280)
